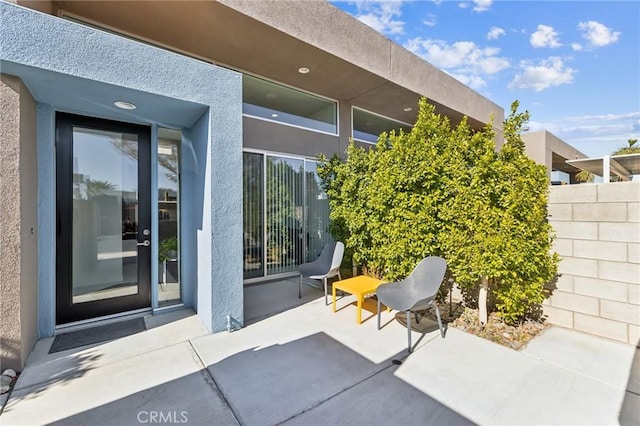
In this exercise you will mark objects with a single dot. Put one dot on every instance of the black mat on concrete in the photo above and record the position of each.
(75, 339)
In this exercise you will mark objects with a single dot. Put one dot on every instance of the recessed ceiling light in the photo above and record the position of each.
(124, 105)
(407, 109)
(303, 70)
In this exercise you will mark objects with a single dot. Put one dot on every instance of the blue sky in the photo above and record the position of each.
(574, 65)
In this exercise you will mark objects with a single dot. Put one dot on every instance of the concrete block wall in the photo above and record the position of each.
(597, 230)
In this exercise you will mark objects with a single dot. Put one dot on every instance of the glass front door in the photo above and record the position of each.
(103, 217)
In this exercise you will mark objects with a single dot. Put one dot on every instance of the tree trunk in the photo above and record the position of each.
(482, 300)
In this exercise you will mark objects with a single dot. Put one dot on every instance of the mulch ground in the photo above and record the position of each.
(466, 319)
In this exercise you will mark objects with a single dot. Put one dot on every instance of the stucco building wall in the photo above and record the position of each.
(75, 68)
(18, 239)
(360, 45)
(552, 152)
(44, 52)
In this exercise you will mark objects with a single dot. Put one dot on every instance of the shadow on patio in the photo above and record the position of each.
(630, 410)
(311, 380)
(263, 300)
(318, 380)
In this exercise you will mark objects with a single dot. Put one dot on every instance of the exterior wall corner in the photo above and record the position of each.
(18, 242)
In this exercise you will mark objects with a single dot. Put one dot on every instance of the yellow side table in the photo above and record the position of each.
(360, 287)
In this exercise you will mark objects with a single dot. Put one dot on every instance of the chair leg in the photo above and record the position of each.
(409, 330)
(326, 299)
(300, 288)
(439, 320)
(378, 314)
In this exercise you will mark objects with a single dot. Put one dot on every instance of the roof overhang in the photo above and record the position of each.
(348, 60)
(558, 162)
(619, 165)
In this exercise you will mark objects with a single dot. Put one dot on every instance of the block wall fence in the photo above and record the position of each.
(597, 230)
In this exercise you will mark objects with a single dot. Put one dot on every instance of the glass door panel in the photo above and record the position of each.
(105, 215)
(103, 203)
(284, 214)
(169, 217)
(252, 211)
(317, 213)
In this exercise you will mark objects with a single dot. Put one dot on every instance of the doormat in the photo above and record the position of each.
(79, 338)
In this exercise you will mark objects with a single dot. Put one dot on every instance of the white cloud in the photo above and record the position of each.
(482, 5)
(595, 135)
(547, 73)
(464, 60)
(597, 34)
(430, 21)
(546, 36)
(478, 5)
(461, 54)
(605, 117)
(473, 81)
(618, 132)
(576, 46)
(382, 16)
(495, 32)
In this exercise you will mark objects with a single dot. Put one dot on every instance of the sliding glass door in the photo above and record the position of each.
(253, 214)
(286, 214)
(316, 212)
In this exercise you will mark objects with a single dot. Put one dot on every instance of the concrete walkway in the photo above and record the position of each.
(310, 366)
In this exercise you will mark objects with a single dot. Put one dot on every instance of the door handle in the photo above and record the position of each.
(145, 243)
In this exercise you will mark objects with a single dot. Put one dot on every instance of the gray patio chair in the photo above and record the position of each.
(326, 266)
(416, 292)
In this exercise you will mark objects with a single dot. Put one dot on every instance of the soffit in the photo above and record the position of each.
(558, 162)
(630, 163)
(213, 31)
(77, 94)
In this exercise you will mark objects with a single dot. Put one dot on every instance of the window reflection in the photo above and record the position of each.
(168, 217)
(368, 127)
(252, 218)
(271, 101)
(105, 214)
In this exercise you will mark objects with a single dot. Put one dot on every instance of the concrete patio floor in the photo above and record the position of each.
(307, 365)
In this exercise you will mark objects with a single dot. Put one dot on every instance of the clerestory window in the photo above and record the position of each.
(274, 102)
(368, 126)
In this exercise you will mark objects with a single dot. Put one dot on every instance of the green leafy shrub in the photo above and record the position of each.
(168, 249)
(385, 202)
(446, 191)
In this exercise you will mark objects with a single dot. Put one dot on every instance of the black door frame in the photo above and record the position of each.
(66, 310)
